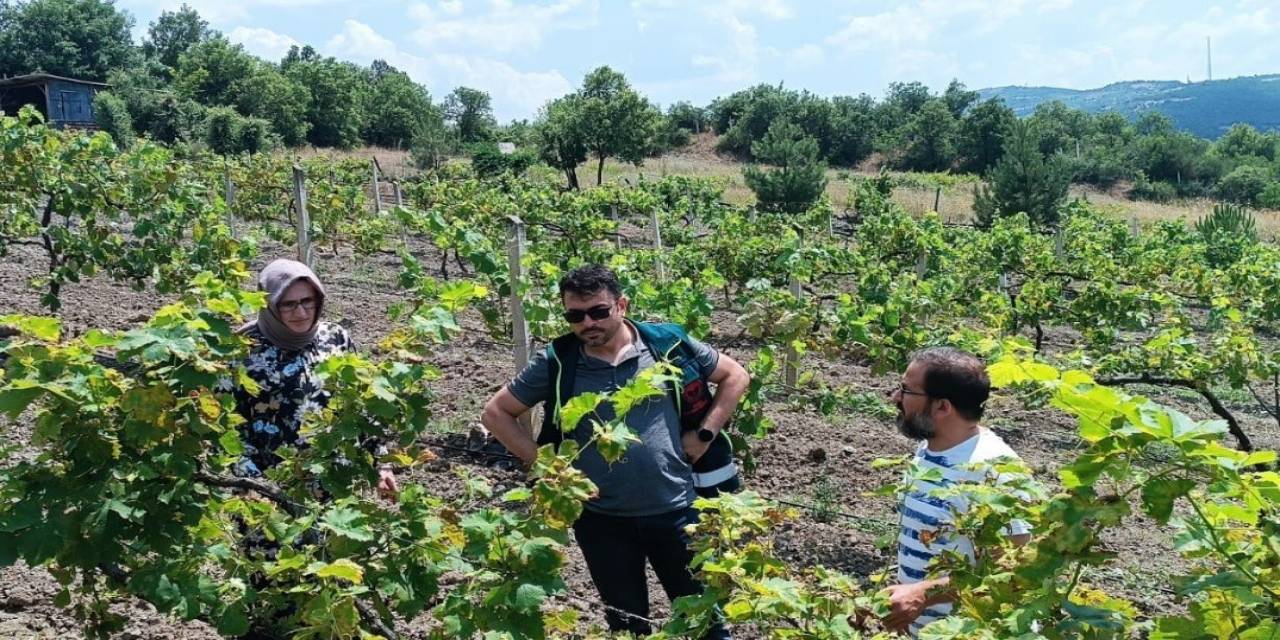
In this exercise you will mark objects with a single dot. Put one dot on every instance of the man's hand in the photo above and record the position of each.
(387, 485)
(906, 603)
(694, 447)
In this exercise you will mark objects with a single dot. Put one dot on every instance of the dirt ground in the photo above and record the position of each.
(809, 459)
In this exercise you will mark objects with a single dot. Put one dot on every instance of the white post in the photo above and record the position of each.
(399, 194)
(657, 246)
(1004, 282)
(229, 198)
(1060, 244)
(377, 193)
(793, 357)
(1134, 228)
(617, 238)
(922, 264)
(519, 324)
(304, 219)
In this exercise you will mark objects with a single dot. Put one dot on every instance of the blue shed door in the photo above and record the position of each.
(73, 106)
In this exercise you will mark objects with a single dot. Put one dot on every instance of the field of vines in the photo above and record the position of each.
(1138, 374)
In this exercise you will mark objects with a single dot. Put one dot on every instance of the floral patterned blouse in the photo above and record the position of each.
(289, 390)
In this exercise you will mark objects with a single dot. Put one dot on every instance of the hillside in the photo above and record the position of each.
(1206, 109)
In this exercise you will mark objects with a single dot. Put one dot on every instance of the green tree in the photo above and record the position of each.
(470, 112)
(173, 33)
(615, 121)
(797, 178)
(398, 107)
(1245, 184)
(559, 137)
(1061, 127)
(853, 130)
(958, 98)
(1025, 180)
(930, 139)
(268, 94)
(684, 115)
(112, 114)
(209, 71)
(982, 131)
(1242, 141)
(75, 38)
(338, 90)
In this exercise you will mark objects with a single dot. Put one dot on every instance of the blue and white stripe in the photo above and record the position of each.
(922, 514)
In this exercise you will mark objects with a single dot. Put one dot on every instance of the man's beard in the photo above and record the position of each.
(595, 336)
(917, 427)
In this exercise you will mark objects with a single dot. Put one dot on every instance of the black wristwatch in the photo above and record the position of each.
(706, 435)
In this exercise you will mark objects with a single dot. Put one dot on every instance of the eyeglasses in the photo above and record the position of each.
(902, 389)
(292, 306)
(599, 312)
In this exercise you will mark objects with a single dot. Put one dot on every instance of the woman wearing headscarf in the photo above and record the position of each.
(289, 340)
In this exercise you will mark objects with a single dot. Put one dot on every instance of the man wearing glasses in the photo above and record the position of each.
(940, 402)
(645, 499)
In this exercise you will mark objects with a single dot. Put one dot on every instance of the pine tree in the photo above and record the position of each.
(798, 177)
(1024, 180)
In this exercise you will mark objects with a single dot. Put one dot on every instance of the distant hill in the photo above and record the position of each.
(1206, 109)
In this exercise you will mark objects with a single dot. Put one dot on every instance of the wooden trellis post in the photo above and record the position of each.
(657, 246)
(377, 192)
(922, 264)
(229, 198)
(617, 238)
(937, 200)
(399, 194)
(792, 372)
(519, 324)
(304, 219)
(1060, 244)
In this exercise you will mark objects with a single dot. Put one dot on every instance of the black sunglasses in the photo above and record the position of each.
(599, 312)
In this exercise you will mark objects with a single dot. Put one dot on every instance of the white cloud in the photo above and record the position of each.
(451, 7)
(505, 27)
(261, 42)
(805, 56)
(515, 93)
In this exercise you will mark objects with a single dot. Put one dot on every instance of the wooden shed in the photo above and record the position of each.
(65, 102)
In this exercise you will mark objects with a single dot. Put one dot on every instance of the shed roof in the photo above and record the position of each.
(41, 78)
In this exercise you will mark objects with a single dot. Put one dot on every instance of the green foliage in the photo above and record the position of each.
(84, 39)
(980, 142)
(613, 120)
(930, 139)
(470, 113)
(561, 144)
(1023, 181)
(336, 110)
(1228, 232)
(112, 115)
(1245, 184)
(489, 162)
(797, 178)
(173, 33)
(399, 108)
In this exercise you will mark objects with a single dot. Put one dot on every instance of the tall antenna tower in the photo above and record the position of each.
(1208, 55)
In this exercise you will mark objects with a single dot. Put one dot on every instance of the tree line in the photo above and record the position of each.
(188, 82)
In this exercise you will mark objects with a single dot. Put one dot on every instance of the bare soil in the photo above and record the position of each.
(810, 459)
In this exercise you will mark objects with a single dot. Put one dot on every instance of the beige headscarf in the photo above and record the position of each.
(275, 279)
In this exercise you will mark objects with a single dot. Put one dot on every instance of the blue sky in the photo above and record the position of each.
(525, 53)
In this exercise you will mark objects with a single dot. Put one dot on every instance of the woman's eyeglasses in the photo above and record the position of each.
(600, 312)
(292, 306)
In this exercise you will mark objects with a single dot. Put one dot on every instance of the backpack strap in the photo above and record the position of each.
(692, 397)
(562, 358)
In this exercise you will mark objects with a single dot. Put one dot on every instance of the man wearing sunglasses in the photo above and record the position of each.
(940, 401)
(645, 499)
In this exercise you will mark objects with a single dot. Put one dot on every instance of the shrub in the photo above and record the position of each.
(1244, 184)
(112, 114)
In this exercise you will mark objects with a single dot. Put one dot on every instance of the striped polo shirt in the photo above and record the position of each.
(922, 514)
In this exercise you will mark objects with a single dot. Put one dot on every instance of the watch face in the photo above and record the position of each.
(706, 435)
